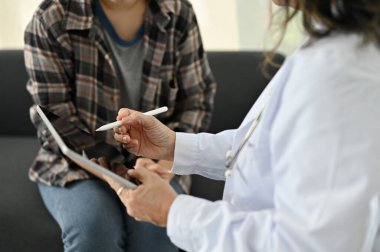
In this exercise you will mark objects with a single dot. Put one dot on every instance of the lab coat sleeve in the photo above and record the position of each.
(200, 225)
(202, 153)
(196, 224)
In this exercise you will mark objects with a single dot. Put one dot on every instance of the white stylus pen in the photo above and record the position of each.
(118, 123)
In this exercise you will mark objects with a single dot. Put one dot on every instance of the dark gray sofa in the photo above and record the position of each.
(25, 224)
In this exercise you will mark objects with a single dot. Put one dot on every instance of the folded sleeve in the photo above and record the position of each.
(203, 154)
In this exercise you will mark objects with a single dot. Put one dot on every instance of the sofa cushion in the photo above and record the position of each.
(25, 225)
(14, 98)
(240, 81)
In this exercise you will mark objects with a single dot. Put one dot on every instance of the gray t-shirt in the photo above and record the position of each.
(129, 61)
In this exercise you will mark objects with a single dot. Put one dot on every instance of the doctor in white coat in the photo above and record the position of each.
(304, 166)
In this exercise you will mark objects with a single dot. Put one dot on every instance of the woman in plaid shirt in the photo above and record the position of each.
(88, 58)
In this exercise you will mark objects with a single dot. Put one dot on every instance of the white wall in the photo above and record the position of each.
(14, 15)
(241, 25)
(218, 21)
(225, 24)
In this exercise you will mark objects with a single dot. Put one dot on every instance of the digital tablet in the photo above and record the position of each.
(80, 160)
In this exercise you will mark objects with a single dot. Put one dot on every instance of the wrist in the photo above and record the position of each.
(172, 139)
(167, 206)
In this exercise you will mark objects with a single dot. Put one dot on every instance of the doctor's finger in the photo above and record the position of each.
(123, 112)
(132, 147)
(120, 130)
(141, 174)
(159, 169)
(144, 162)
(122, 138)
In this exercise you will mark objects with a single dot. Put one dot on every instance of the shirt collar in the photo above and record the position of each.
(79, 15)
(167, 6)
(159, 12)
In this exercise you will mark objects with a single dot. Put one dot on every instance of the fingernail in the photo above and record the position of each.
(125, 139)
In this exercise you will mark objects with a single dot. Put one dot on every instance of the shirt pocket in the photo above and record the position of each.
(151, 87)
(168, 94)
(252, 177)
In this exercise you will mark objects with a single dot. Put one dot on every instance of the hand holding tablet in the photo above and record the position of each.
(80, 160)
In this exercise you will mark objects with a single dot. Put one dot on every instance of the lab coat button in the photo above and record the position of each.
(228, 173)
(228, 154)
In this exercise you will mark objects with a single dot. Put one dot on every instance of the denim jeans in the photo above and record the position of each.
(92, 218)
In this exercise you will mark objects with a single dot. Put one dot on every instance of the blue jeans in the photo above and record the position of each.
(92, 218)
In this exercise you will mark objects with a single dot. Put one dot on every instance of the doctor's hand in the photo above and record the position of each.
(115, 167)
(159, 168)
(151, 200)
(144, 135)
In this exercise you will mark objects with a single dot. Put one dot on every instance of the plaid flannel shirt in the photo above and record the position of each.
(72, 73)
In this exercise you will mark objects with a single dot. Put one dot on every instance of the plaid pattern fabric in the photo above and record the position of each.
(72, 73)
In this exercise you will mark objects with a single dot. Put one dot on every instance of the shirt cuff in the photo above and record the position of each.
(185, 153)
(180, 220)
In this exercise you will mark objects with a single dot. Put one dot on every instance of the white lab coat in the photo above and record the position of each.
(309, 177)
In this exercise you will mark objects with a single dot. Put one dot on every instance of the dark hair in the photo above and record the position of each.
(348, 16)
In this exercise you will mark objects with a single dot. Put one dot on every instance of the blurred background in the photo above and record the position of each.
(226, 25)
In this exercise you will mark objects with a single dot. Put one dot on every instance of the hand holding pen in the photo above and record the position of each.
(144, 135)
(118, 123)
